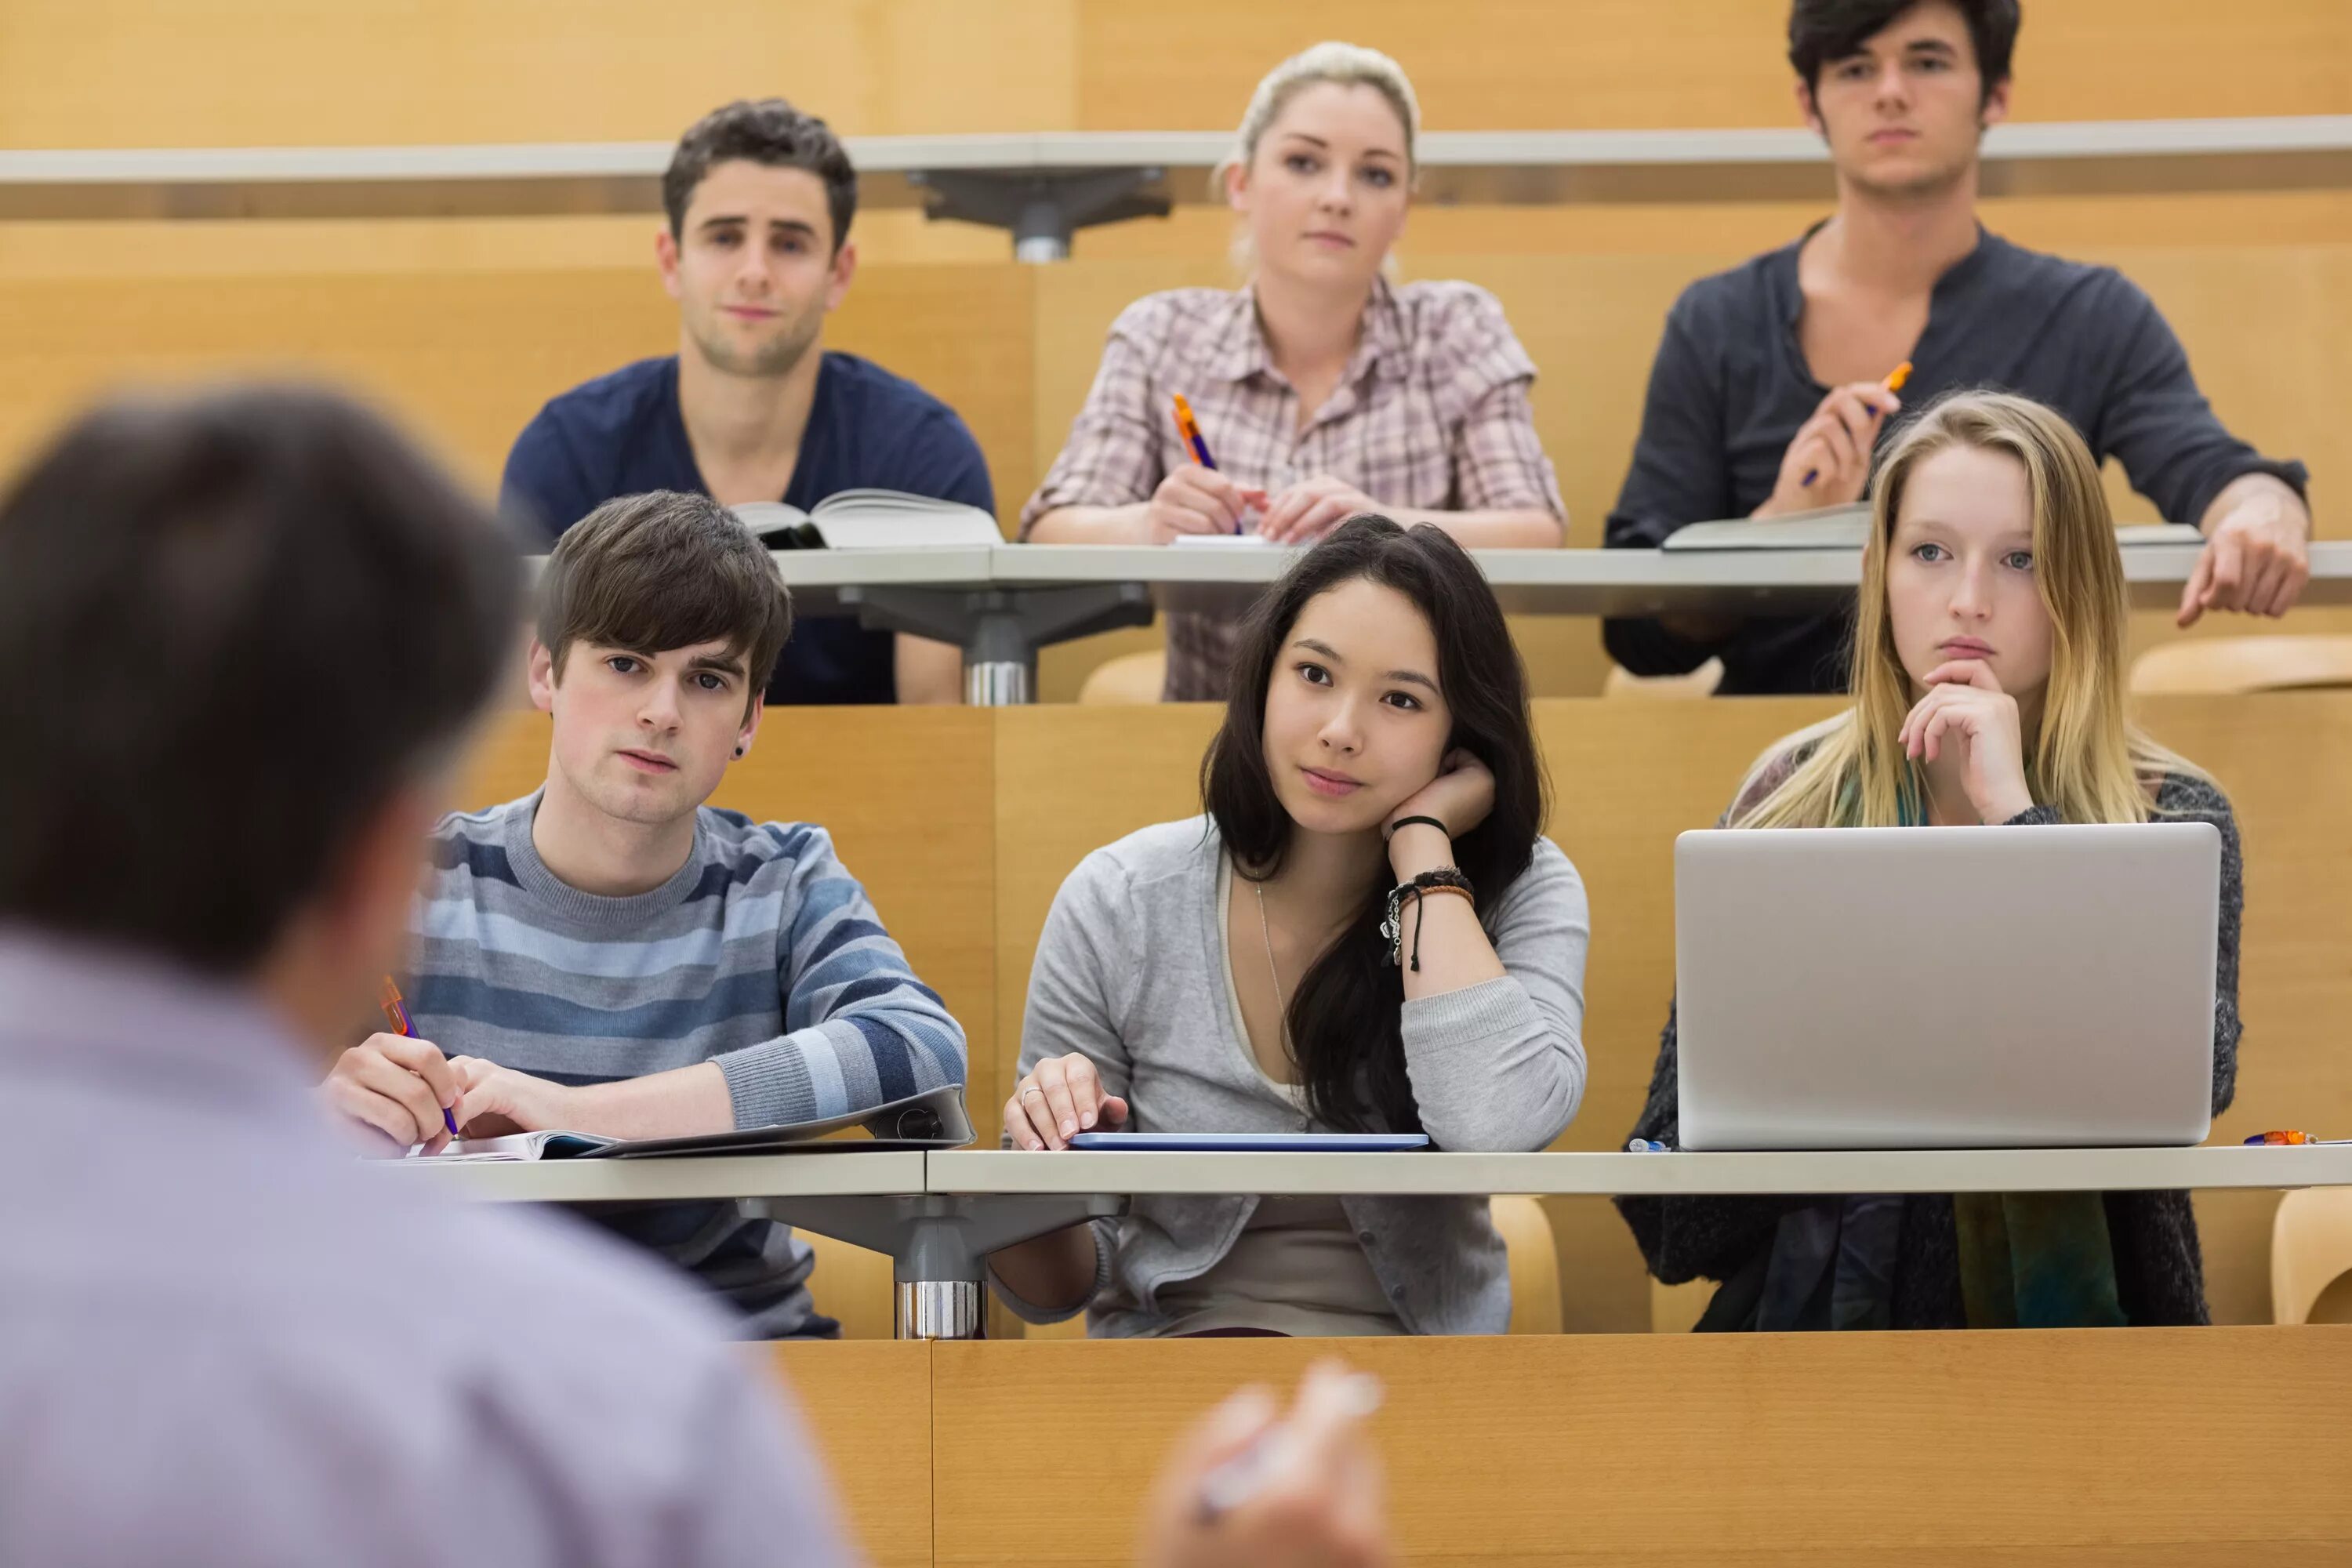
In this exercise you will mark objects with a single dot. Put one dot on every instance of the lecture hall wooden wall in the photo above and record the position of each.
(464, 326)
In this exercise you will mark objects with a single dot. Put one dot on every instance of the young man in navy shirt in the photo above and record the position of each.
(1773, 372)
(752, 407)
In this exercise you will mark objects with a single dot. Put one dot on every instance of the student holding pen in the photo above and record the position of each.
(1768, 395)
(1324, 389)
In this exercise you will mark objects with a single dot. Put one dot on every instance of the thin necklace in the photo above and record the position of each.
(1282, 1007)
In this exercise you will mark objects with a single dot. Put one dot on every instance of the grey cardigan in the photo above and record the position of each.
(1131, 971)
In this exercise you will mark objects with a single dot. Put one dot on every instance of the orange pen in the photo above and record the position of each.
(395, 1013)
(1894, 383)
(1189, 428)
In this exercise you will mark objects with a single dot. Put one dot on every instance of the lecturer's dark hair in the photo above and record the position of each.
(1823, 31)
(232, 625)
(1346, 1019)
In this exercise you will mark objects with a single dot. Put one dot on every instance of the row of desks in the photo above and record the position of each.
(1002, 603)
(939, 1215)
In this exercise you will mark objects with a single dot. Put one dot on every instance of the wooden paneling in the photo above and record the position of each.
(119, 73)
(867, 1405)
(1532, 65)
(2149, 1446)
(906, 794)
(465, 358)
(212, 73)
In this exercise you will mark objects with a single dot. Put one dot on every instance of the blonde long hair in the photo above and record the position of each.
(2089, 759)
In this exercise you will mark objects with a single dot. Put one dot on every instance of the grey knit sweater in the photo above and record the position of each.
(2159, 1275)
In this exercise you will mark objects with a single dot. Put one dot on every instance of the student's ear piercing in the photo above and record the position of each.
(738, 753)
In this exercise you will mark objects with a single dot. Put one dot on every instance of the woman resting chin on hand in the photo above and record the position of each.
(1231, 974)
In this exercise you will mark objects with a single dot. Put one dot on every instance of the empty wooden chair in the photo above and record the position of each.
(2282, 663)
(2311, 1256)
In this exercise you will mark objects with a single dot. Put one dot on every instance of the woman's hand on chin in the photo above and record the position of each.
(1460, 796)
(1965, 707)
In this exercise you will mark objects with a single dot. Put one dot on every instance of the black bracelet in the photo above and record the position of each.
(1393, 928)
(1408, 821)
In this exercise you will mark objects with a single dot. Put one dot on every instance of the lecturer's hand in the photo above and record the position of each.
(1194, 499)
(397, 1086)
(1063, 1098)
(498, 1099)
(2257, 553)
(1834, 446)
(1319, 1504)
(1966, 707)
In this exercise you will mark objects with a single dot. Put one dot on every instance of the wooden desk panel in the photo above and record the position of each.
(867, 1405)
(2147, 1446)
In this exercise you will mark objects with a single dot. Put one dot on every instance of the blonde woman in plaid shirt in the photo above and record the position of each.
(1322, 389)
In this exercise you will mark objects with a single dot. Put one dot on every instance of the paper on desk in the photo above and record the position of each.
(1220, 540)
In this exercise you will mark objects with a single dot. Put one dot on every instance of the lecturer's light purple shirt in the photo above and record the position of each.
(222, 1341)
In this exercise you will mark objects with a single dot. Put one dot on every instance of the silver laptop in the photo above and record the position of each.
(1947, 988)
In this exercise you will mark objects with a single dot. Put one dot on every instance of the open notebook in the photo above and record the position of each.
(868, 519)
(932, 1120)
(1848, 527)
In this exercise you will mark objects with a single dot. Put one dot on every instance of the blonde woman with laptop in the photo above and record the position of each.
(1988, 683)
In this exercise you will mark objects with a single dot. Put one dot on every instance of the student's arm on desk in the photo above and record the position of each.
(1491, 1028)
(679, 1103)
(1081, 987)
(2177, 453)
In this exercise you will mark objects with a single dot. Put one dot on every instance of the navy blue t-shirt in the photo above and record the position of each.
(621, 435)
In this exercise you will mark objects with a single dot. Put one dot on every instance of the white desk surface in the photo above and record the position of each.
(1016, 151)
(980, 1173)
(1558, 582)
(810, 1175)
(977, 1171)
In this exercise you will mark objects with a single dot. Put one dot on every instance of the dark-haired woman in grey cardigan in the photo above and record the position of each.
(1987, 682)
(1231, 972)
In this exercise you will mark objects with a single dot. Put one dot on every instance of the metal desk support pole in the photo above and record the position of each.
(1042, 208)
(939, 1243)
(1001, 629)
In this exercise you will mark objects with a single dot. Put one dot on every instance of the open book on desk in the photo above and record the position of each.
(1848, 528)
(868, 519)
(932, 1120)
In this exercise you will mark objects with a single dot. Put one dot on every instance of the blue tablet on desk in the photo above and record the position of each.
(1255, 1142)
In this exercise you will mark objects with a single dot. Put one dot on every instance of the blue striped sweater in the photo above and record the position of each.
(762, 955)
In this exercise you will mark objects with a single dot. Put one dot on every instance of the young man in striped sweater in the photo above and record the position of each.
(608, 954)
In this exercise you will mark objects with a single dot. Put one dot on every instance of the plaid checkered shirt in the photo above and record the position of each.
(1431, 414)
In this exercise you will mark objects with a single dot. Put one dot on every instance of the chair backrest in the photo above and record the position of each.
(1700, 682)
(2311, 1256)
(2244, 664)
(1130, 678)
(1526, 1230)
(1534, 1252)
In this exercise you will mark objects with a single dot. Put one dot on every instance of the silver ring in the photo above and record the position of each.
(1033, 1088)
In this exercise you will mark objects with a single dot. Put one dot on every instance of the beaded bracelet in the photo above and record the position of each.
(1444, 880)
